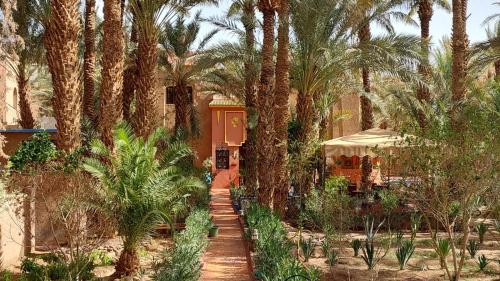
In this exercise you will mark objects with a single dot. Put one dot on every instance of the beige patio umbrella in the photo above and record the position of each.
(363, 143)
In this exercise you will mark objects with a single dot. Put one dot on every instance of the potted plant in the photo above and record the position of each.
(213, 231)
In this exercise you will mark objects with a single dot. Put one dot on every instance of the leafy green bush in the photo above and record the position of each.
(293, 270)
(389, 200)
(37, 150)
(182, 261)
(56, 268)
(273, 259)
(404, 253)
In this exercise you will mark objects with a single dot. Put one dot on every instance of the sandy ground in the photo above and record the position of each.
(424, 264)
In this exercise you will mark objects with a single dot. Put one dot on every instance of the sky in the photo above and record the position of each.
(478, 10)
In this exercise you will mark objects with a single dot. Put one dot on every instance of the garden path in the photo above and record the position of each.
(226, 256)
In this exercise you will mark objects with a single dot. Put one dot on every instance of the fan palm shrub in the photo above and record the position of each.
(481, 231)
(140, 185)
(472, 248)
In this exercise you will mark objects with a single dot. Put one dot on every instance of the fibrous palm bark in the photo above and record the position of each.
(27, 121)
(251, 180)
(129, 76)
(281, 116)
(89, 58)
(367, 121)
(425, 13)
(459, 48)
(22, 19)
(61, 44)
(112, 70)
(145, 116)
(265, 130)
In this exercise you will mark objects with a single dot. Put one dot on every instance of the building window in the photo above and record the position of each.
(170, 94)
(222, 157)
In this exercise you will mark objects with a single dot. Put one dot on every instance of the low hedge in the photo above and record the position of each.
(274, 261)
(182, 261)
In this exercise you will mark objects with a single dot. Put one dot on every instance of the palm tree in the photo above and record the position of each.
(112, 70)
(89, 58)
(184, 66)
(23, 53)
(265, 136)
(244, 11)
(381, 12)
(425, 11)
(281, 117)
(151, 16)
(459, 43)
(60, 38)
(130, 74)
(140, 186)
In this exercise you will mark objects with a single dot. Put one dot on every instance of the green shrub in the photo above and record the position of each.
(472, 248)
(292, 270)
(272, 248)
(56, 268)
(481, 229)
(389, 200)
(307, 247)
(482, 262)
(356, 245)
(404, 253)
(37, 150)
(325, 247)
(182, 261)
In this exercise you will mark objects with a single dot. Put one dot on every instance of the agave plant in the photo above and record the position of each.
(482, 262)
(356, 245)
(140, 186)
(307, 247)
(473, 247)
(404, 253)
(443, 250)
(481, 229)
(372, 254)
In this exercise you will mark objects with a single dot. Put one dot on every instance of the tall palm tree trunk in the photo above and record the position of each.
(366, 109)
(265, 130)
(129, 76)
(423, 94)
(128, 263)
(281, 116)
(61, 44)
(459, 50)
(89, 58)
(145, 116)
(182, 105)
(251, 180)
(27, 121)
(112, 70)
(306, 118)
(26, 115)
